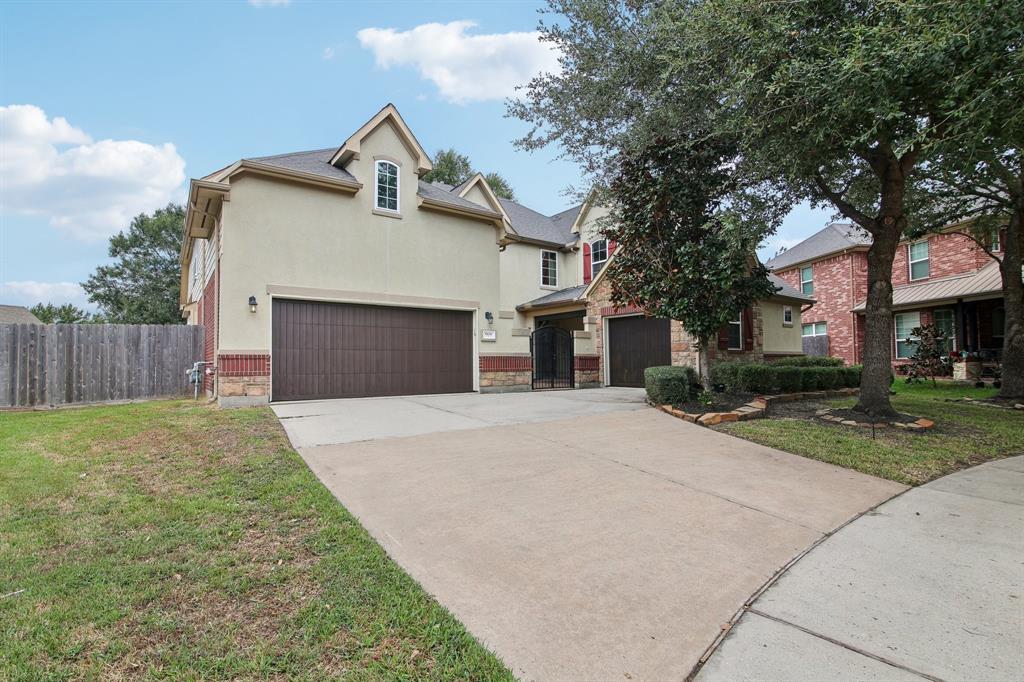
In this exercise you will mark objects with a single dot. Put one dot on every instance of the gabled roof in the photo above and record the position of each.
(16, 314)
(317, 161)
(559, 297)
(530, 224)
(389, 114)
(833, 238)
(441, 193)
(979, 283)
(784, 290)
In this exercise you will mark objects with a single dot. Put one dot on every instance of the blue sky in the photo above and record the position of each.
(108, 108)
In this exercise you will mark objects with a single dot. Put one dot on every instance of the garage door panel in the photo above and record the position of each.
(341, 350)
(634, 344)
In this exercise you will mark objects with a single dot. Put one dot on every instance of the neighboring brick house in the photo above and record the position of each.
(946, 279)
(339, 272)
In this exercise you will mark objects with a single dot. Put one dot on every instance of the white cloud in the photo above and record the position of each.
(269, 3)
(465, 68)
(88, 189)
(30, 292)
(328, 53)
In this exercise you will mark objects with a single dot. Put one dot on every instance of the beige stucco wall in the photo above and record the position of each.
(589, 230)
(779, 338)
(288, 234)
(520, 276)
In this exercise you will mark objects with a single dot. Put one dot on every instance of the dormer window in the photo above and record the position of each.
(386, 186)
(598, 256)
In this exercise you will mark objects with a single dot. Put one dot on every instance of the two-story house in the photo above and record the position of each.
(339, 272)
(945, 279)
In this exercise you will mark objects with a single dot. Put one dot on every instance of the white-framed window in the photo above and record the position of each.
(598, 255)
(736, 333)
(814, 329)
(807, 280)
(905, 342)
(994, 246)
(945, 322)
(548, 269)
(918, 257)
(385, 188)
(787, 316)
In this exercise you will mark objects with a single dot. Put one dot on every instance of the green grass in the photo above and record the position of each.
(964, 435)
(176, 541)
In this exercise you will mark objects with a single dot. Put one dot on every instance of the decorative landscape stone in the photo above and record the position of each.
(758, 408)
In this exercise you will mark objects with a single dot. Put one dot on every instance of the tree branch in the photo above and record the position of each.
(844, 206)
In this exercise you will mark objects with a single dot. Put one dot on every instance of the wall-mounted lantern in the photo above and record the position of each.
(489, 317)
(252, 304)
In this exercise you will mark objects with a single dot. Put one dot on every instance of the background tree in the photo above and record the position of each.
(450, 167)
(500, 186)
(67, 313)
(141, 285)
(687, 255)
(453, 168)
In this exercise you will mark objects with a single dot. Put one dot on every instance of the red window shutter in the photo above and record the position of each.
(586, 263)
(611, 246)
(748, 329)
(723, 337)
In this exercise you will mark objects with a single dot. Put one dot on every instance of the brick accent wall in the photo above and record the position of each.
(243, 375)
(948, 254)
(588, 371)
(835, 286)
(208, 318)
(505, 373)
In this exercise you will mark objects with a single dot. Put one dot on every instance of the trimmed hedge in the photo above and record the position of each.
(670, 385)
(744, 377)
(810, 361)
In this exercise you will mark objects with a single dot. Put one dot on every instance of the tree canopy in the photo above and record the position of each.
(67, 313)
(454, 168)
(141, 285)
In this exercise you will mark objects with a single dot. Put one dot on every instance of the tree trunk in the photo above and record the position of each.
(704, 364)
(1013, 305)
(878, 333)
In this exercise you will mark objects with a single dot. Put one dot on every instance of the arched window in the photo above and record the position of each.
(598, 256)
(386, 186)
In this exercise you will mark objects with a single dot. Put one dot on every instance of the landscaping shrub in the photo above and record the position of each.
(809, 378)
(810, 361)
(727, 374)
(670, 385)
(852, 375)
(790, 379)
(757, 378)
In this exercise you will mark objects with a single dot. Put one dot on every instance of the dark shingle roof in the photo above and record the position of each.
(784, 289)
(317, 161)
(436, 191)
(834, 237)
(16, 314)
(530, 224)
(555, 297)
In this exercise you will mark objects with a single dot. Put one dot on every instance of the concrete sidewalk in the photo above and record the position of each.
(930, 585)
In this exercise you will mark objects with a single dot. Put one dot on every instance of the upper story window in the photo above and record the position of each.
(918, 253)
(736, 333)
(548, 269)
(386, 186)
(807, 280)
(787, 316)
(598, 256)
(994, 246)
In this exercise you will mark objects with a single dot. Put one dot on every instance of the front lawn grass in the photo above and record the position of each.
(964, 435)
(174, 540)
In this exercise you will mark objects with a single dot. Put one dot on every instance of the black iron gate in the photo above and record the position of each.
(552, 358)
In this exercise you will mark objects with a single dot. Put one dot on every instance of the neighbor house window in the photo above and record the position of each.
(787, 316)
(387, 186)
(814, 329)
(944, 321)
(918, 260)
(548, 269)
(994, 246)
(598, 256)
(998, 324)
(807, 280)
(736, 333)
(905, 341)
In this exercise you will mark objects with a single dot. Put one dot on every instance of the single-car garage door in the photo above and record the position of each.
(345, 350)
(634, 344)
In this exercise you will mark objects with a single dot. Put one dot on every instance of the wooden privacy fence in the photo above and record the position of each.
(61, 364)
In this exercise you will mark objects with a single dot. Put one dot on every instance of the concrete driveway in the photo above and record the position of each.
(578, 534)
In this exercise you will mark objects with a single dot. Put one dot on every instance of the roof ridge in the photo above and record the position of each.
(277, 156)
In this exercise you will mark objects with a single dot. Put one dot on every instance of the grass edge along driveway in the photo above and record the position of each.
(174, 540)
(964, 435)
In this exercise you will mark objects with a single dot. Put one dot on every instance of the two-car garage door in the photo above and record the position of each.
(345, 350)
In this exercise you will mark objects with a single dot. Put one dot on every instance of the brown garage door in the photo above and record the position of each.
(634, 344)
(342, 350)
